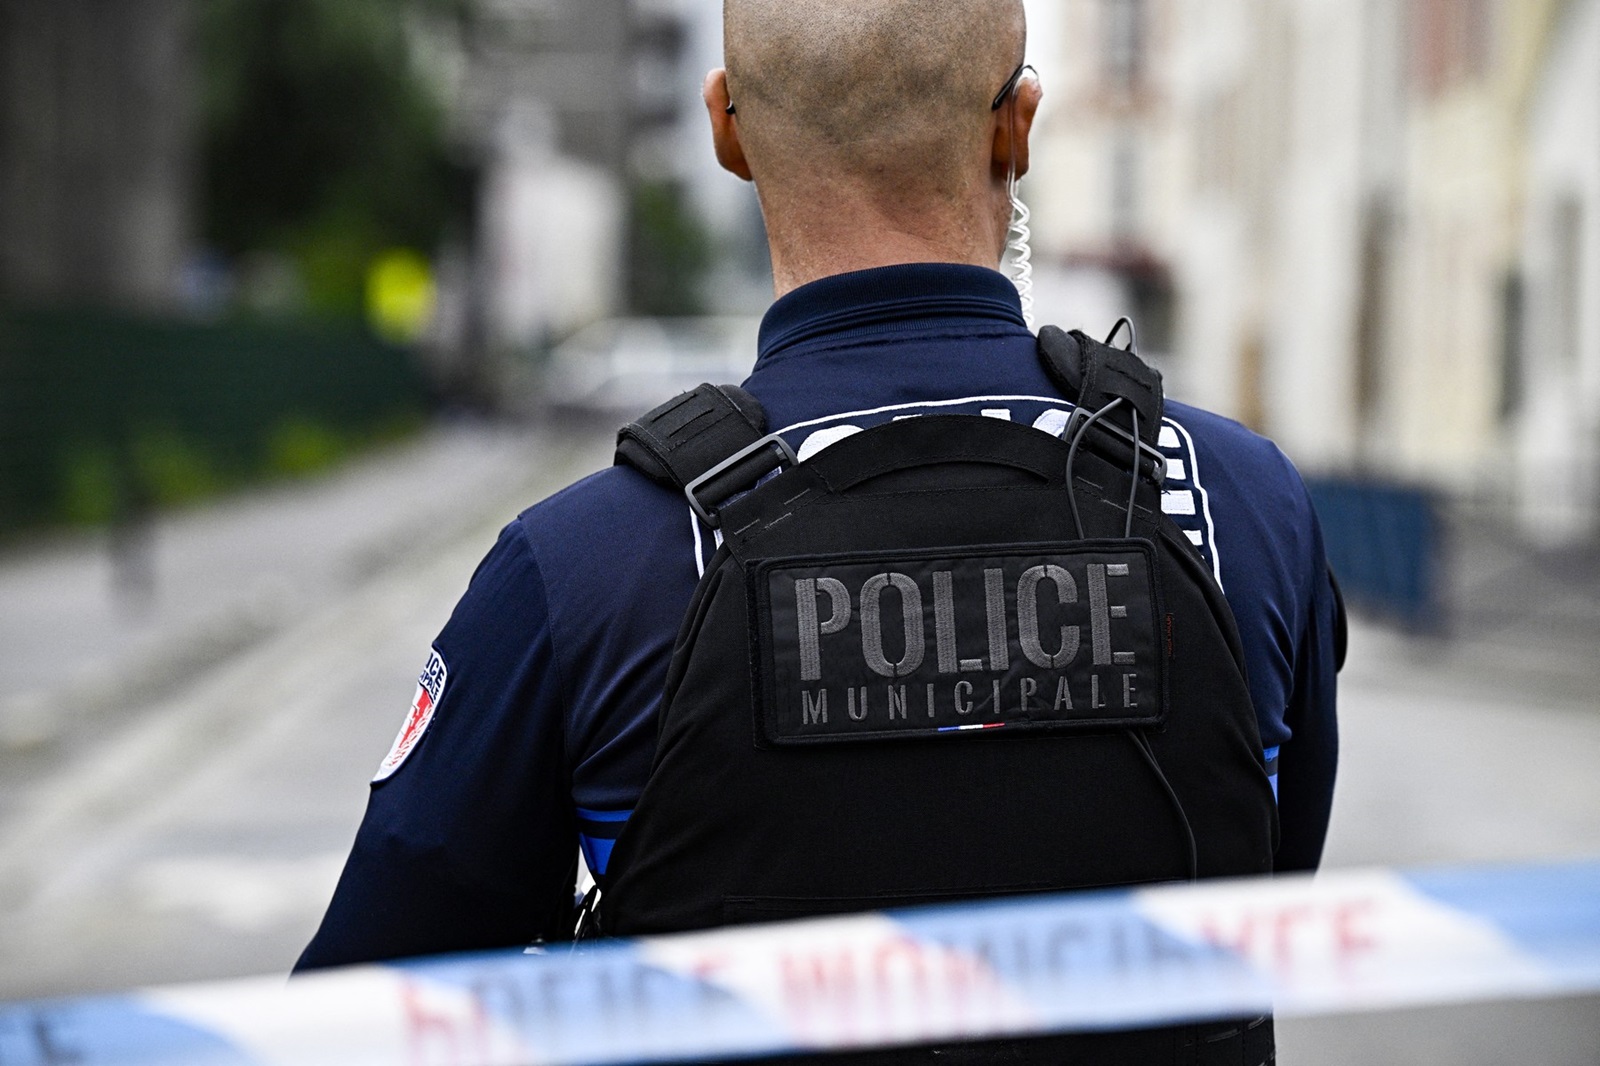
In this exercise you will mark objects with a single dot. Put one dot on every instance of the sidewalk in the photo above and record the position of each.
(1520, 623)
(178, 787)
(80, 643)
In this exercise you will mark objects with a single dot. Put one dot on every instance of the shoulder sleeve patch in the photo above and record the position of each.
(430, 690)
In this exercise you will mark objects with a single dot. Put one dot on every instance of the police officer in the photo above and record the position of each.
(882, 157)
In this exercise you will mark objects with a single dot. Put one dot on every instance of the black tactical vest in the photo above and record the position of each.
(946, 658)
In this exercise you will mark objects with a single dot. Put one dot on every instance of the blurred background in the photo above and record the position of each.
(301, 299)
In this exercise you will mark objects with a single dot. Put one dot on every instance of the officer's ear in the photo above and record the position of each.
(1013, 124)
(724, 126)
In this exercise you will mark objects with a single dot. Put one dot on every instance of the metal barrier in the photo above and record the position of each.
(1336, 943)
(1385, 543)
(145, 404)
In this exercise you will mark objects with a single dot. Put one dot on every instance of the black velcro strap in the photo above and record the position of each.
(1092, 374)
(691, 433)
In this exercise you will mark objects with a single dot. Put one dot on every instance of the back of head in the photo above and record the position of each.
(893, 93)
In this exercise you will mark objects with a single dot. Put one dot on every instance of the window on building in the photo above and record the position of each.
(1452, 41)
(1125, 43)
(1372, 314)
(1513, 320)
(1124, 188)
(1566, 291)
(1154, 307)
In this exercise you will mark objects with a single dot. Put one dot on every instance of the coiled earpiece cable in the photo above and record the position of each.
(1019, 250)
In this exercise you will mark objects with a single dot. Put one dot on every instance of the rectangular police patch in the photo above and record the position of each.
(880, 645)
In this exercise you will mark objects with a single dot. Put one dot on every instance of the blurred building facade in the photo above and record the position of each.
(1370, 228)
(97, 151)
(740, 281)
(570, 114)
(1104, 184)
(1367, 228)
(579, 111)
(532, 100)
(1557, 386)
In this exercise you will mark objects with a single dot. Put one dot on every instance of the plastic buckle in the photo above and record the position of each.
(1157, 469)
(784, 454)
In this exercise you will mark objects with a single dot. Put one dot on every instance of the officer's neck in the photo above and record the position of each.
(834, 231)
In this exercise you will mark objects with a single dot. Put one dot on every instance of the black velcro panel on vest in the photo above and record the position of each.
(691, 433)
(1093, 374)
(926, 644)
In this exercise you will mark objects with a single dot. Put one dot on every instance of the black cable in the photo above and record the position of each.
(1143, 745)
(1133, 337)
(1133, 475)
(1072, 459)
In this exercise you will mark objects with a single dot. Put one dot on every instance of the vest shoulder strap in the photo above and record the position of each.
(1092, 374)
(691, 433)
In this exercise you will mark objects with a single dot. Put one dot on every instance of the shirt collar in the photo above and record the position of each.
(866, 302)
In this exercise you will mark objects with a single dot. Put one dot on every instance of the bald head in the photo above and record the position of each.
(892, 91)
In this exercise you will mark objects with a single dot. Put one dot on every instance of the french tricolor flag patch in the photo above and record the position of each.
(430, 690)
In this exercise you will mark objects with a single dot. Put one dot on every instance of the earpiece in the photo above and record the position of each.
(1019, 253)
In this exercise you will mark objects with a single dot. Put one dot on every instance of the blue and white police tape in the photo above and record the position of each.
(1341, 942)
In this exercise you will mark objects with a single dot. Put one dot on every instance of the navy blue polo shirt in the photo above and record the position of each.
(534, 724)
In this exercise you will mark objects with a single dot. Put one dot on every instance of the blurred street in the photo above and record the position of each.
(1476, 747)
(178, 786)
(190, 823)
(245, 248)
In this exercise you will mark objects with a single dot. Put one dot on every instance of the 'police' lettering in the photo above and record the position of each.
(811, 631)
(872, 624)
(1028, 616)
(1056, 635)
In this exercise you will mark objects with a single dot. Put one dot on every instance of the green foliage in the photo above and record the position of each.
(333, 266)
(100, 484)
(322, 139)
(301, 446)
(671, 252)
(171, 469)
(91, 492)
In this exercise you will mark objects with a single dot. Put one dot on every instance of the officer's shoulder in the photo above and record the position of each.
(1243, 468)
(1237, 447)
(617, 505)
